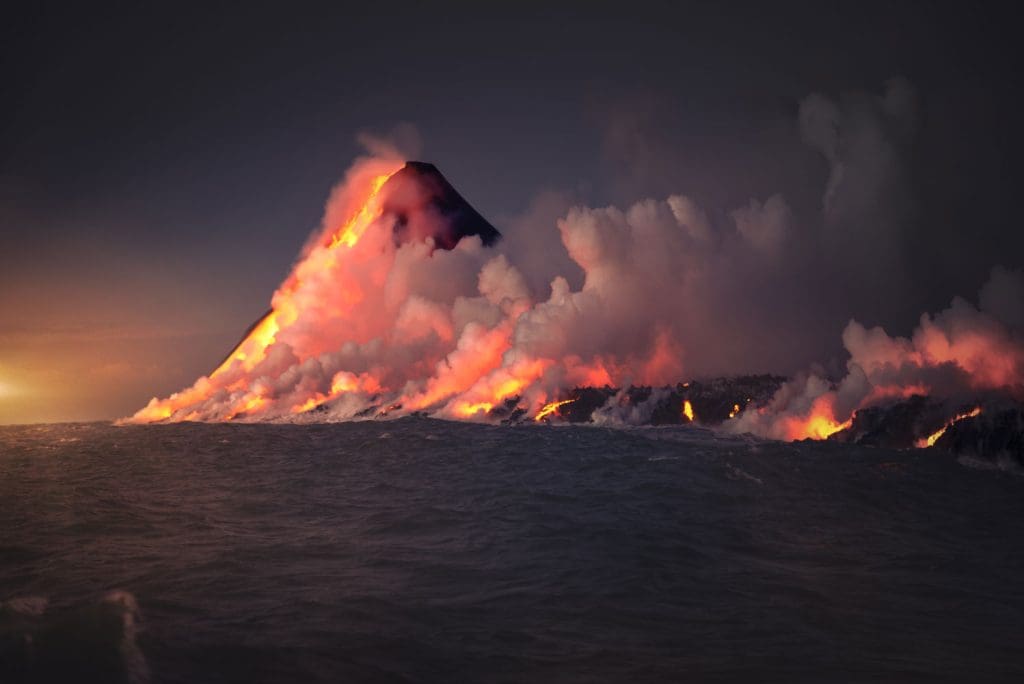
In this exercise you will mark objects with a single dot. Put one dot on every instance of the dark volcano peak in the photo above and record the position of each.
(425, 205)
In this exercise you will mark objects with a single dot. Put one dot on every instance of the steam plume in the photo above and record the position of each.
(398, 303)
(960, 352)
(406, 300)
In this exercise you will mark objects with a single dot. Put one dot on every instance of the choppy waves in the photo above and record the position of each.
(422, 550)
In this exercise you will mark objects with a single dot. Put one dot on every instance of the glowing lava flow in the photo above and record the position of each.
(253, 348)
(823, 427)
(230, 391)
(735, 410)
(688, 410)
(820, 423)
(350, 233)
(931, 439)
(551, 408)
(467, 410)
(248, 405)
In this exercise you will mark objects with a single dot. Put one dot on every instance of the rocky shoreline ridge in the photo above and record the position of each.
(988, 427)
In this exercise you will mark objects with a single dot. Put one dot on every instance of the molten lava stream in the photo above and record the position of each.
(931, 439)
(819, 424)
(253, 348)
(548, 409)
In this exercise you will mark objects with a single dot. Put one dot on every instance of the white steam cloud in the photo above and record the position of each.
(652, 294)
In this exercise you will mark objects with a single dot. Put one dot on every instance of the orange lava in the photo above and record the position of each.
(467, 410)
(931, 439)
(253, 348)
(819, 423)
(232, 376)
(551, 408)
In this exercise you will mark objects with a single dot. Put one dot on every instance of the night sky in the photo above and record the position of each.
(161, 166)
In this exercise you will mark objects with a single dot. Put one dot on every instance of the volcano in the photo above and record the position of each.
(423, 205)
(404, 302)
(398, 300)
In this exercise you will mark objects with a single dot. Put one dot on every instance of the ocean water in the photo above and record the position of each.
(418, 550)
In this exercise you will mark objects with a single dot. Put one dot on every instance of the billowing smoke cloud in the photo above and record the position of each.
(383, 313)
(383, 308)
(962, 351)
(866, 206)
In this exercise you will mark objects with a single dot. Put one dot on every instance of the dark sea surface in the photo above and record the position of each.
(421, 550)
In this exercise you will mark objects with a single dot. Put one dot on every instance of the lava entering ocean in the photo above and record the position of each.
(403, 302)
(931, 439)
(399, 303)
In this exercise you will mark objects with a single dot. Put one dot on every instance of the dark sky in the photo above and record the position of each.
(161, 165)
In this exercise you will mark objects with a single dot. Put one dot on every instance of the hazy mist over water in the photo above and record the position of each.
(422, 550)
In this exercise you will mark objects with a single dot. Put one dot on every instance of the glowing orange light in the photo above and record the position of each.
(251, 404)
(931, 439)
(350, 233)
(343, 382)
(688, 410)
(287, 305)
(467, 410)
(508, 388)
(253, 349)
(551, 408)
(819, 423)
(823, 427)
(735, 410)
(154, 413)
(310, 403)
